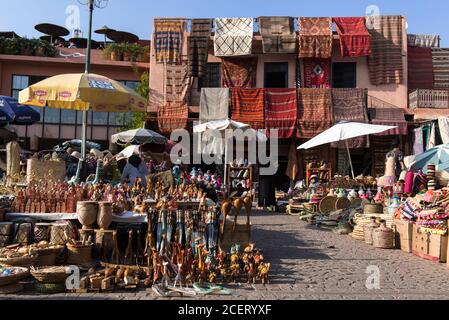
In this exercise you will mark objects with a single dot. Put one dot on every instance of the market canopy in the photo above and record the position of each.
(138, 136)
(14, 113)
(438, 155)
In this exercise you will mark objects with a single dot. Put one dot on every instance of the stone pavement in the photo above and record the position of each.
(312, 263)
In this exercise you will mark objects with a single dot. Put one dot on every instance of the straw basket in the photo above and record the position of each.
(21, 274)
(87, 212)
(383, 237)
(50, 275)
(79, 254)
(48, 256)
(342, 203)
(327, 204)
(373, 208)
(24, 261)
(42, 232)
(57, 235)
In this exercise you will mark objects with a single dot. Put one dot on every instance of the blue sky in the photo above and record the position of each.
(429, 16)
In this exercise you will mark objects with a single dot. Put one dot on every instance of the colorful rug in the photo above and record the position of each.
(314, 112)
(248, 106)
(278, 34)
(239, 72)
(177, 83)
(440, 59)
(281, 109)
(198, 46)
(355, 40)
(298, 74)
(315, 37)
(317, 73)
(168, 38)
(389, 117)
(214, 104)
(423, 40)
(172, 116)
(233, 36)
(350, 105)
(420, 68)
(385, 62)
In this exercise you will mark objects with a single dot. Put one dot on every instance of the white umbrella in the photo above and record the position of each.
(225, 124)
(128, 152)
(343, 131)
(138, 136)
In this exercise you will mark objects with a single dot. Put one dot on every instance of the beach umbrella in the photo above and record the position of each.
(138, 136)
(21, 114)
(438, 155)
(342, 132)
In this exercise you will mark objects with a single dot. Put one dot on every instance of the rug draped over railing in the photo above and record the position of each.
(172, 116)
(420, 68)
(355, 40)
(423, 40)
(233, 36)
(198, 46)
(317, 73)
(248, 106)
(314, 112)
(168, 39)
(278, 34)
(385, 62)
(315, 37)
(239, 72)
(281, 111)
(389, 117)
(440, 59)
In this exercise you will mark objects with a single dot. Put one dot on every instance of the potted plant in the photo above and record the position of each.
(11, 46)
(114, 50)
(127, 51)
(26, 47)
(39, 48)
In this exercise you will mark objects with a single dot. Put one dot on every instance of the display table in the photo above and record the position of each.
(127, 217)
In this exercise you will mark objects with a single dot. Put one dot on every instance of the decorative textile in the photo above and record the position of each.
(239, 72)
(420, 68)
(440, 59)
(168, 38)
(443, 125)
(281, 111)
(177, 83)
(233, 36)
(214, 104)
(248, 106)
(432, 138)
(315, 37)
(355, 40)
(423, 40)
(317, 73)
(349, 105)
(298, 74)
(198, 46)
(418, 145)
(278, 34)
(389, 117)
(172, 116)
(385, 61)
(314, 112)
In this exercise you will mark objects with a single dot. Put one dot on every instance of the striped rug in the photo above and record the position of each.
(420, 68)
(314, 112)
(281, 111)
(168, 39)
(198, 46)
(172, 116)
(385, 63)
(248, 106)
(440, 58)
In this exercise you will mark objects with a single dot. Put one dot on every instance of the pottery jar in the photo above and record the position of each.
(104, 218)
(87, 213)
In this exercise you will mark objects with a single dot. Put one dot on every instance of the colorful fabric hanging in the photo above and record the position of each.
(233, 36)
(248, 106)
(355, 40)
(443, 125)
(420, 68)
(314, 112)
(177, 83)
(281, 111)
(317, 73)
(239, 72)
(423, 40)
(389, 117)
(440, 59)
(349, 104)
(278, 34)
(172, 116)
(385, 62)
(418, 145)
(315, 37)
(168, 39)
(198, 46)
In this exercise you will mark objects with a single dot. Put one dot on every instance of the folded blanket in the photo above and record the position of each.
(278, 34)
(355, 40)
(239, 72)
(281, 111)
(233, 36)
(315, 37)
(168, 39)
(248, 106)
(314, 112)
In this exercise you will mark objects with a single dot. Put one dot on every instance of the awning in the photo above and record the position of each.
(389, 117)
(18, 114)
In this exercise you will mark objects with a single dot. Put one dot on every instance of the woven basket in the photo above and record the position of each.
(50, 275)
(327, 204)
(342, 203)
(23, 273)
(373, 208)
(383, 237)
(24, 261)
(79, 255)
(368, 230)
(50, 288)
(48, 256)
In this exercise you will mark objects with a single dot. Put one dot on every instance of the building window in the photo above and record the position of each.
(344, 75)
(68, 116)
(79, 117)
(20, 82)
(100, 118)
(212, 77)
(51, 115)
(276, 75)
(131, 84)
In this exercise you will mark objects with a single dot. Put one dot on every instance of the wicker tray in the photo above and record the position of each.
(24, 261)
(327, 204)
(50, 274)
(342, 203)
(48, 256)
(23, 273)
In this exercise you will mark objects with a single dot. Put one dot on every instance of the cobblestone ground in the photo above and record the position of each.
(312, 263)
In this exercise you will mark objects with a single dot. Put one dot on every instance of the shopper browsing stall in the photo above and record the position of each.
(135, 168)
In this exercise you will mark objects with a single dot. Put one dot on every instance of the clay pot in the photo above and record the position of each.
(104, 218)
(87, 212)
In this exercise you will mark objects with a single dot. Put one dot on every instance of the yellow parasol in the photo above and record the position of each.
(80, 91)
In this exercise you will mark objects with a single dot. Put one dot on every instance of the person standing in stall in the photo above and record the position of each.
(394, 164)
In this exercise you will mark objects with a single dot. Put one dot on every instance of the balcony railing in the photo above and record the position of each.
(428, 98)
